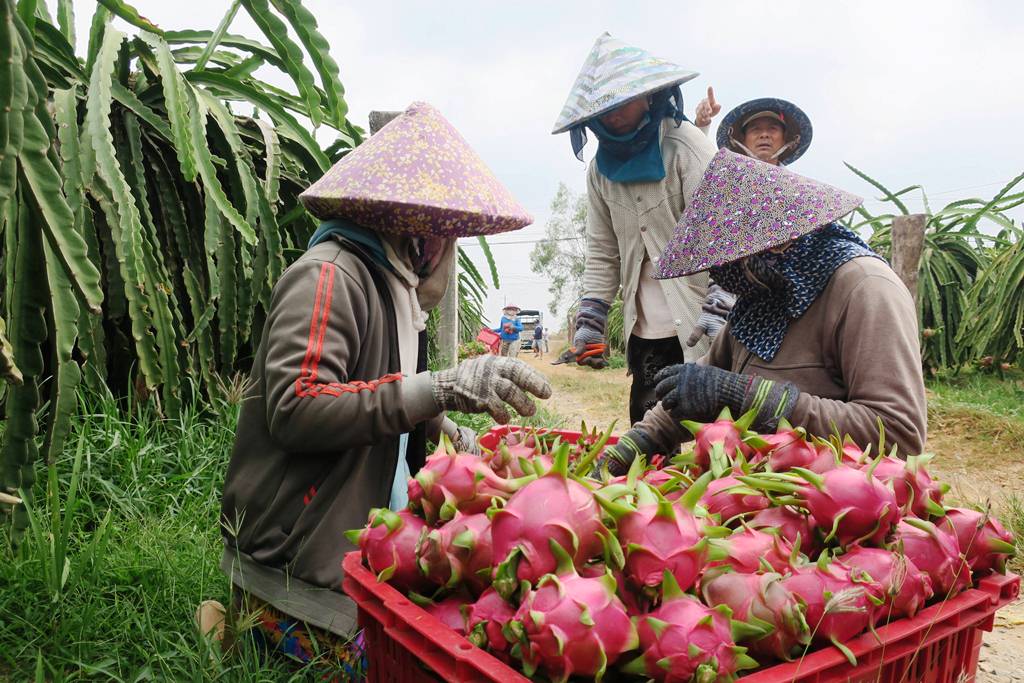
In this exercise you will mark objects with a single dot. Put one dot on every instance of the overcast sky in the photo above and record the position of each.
(928, 92)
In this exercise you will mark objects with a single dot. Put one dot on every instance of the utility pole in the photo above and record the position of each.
(907, 246)
(448, 309)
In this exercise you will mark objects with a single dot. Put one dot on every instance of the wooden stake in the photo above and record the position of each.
(907, 246)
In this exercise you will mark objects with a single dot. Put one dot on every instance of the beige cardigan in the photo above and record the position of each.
(630, 222)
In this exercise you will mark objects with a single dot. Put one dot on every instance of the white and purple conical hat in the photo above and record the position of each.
(417, 176)
(613, 74)
(744, 206)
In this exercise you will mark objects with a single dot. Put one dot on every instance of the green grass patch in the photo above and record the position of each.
(981, 391)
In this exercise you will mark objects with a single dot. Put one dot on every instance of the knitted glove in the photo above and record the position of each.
(699, 392)
(465, 440)
(589, 346)
(619, 457)
(486, 384)
(714, 313)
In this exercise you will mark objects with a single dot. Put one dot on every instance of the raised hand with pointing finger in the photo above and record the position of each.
(707, 109)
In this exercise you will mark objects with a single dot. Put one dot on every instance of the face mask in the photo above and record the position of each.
(762, 271)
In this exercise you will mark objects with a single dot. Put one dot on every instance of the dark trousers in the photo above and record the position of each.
(646, 358)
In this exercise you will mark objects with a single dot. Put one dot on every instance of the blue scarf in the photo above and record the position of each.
(796, 277)
(365, 238)
(634, 157)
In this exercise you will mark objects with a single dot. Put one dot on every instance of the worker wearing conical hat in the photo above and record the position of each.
(340, 403)
(649, 160)
(823, 334)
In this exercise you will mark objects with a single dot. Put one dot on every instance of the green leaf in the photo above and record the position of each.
(227, 40)
(889, 196)
(66, 19)
(276, 32)
(218, 35)
(131, 15)
(8, 369)
(64, 323)
(100, 20)
(177, 102)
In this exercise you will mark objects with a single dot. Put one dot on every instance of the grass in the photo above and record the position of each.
(981, 391)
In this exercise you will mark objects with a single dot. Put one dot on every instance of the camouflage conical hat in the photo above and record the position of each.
(417, 176)
(614, 73)
(744, 206)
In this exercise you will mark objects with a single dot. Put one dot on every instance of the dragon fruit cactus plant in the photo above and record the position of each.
(683, 640)
(458, 552)
(762, 601)
(983, 541)
(903, 588)
(936, 552)
(570, 625)
(658, 536)
(485, 622)
(556, 508)
(916, 493)
(852, 504)
(388, 543)
(836, 607)
(451, 482)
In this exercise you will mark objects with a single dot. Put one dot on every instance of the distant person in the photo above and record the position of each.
(649, 160)
(509, 329)
(768, 129)
(823, 334)
(538, 341)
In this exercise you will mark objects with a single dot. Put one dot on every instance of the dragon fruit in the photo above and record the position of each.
(915, 491)
(936, 552)
(764, 602)
(752, 550)
(460, 551)
(551, 508)
(570, 625)
(728, 498)
(683, 640)
(485, 620)
(982, 540)
(451, 482)
(789, 523)
(658, 536)
(788, 447)
(837, 608)
(388, 542)
(451, 611)
(724, 432)
(852, 504)
(519, 454)
(901, 585)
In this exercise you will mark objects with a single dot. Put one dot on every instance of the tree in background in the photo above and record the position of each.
(561, 255)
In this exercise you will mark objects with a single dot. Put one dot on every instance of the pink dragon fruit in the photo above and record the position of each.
(762, 601)
(388, 542)
(551, 508)
(790, 523)
(751, 550)
(659, 536)
(837, 608)
(452, 482)
(519, 454)
(728, 498)
(916, 493)
(485, 620)
(570, 625)
(854, 505)
(983, 541)
(451, 611)
(725, 432)
(902, 587)
(683, 640)
(460, 551)
(936, 552)
(788, 447)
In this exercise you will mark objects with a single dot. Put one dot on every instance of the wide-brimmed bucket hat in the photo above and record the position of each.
(744, 206)
(418, 177)
(613, 74)
(793, 119)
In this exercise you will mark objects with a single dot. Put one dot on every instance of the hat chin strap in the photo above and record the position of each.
(782, 150)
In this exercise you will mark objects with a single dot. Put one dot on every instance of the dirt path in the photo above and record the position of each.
(978, 455)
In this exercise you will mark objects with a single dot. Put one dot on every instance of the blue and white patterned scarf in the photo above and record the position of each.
(795, 279)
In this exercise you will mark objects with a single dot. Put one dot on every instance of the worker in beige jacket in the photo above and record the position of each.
(649, 160)
(823, 333)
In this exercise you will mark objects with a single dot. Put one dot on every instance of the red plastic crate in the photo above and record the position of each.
(940, 645)
(490, 439)
(490, 339)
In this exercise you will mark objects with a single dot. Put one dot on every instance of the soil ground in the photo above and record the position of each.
(979, 454)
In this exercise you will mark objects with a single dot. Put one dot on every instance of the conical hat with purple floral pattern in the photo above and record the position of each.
(744, 206)
(417, 176)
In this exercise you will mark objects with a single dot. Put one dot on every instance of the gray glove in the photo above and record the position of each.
(589, 346)
(466, 440)
(699, 392)
(714, 313)
(619, 457)
(486, 383)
